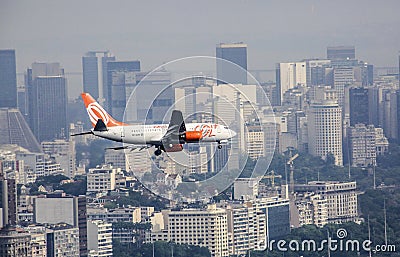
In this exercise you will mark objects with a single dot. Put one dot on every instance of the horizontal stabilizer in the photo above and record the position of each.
(82, 133)
(100, 126)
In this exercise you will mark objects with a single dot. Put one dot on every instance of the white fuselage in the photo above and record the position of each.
(150, 134)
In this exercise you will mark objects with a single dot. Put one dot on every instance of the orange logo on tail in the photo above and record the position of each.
(95, 112)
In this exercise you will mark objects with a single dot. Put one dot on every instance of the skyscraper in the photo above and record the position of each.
(94, 65)
(152, 97)
(8, 79)
(47, 101)
(341, 52)
(343, 78)
(325, 130)
(230, 73)
(289, 75)
(362, 145)
(121, 80)
(359, 108)
(8, 202)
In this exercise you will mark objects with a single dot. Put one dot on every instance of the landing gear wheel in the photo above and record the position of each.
(219, 146)
(157, 152)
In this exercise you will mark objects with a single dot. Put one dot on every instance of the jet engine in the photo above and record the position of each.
(191, 136)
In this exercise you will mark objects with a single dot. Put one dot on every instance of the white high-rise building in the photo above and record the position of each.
(99, 235)
(246, 227)
(312, 209)
(325, 130)
(208, 228)
(362, 145)
(341, 198)
(289, 75)
(101, 179)
(343, 78)
(64, 153)
(255, 144)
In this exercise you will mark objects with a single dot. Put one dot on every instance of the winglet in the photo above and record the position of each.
(96, 112)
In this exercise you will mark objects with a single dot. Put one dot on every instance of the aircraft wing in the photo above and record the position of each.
(175, 129)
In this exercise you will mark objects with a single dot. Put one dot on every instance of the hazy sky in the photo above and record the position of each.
(159, 31)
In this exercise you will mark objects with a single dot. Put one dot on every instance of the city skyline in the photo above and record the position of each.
(291, 109)
(162, 36)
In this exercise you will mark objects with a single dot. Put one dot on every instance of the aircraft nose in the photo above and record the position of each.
(232, 133)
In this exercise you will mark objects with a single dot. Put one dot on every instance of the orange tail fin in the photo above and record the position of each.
(95, 112)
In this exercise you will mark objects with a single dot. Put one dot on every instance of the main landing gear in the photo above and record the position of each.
(219, 145)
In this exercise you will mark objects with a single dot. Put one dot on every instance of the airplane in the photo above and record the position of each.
(164, 137)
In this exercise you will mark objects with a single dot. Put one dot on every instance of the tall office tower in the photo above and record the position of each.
(343, 78)
(397, 111)
(15, 130)
(8, 79)
(359, 106)
(47, 101)
(21, 99)
(367, 74)
(389, 111)
(316, 72)
(152, 97)
(8, 202)
(341, 52)
(362, 145)
(325, 129)
(94, 65)
(15, 242)
(121, 80)
(373, 105)
(231, 73)
(289, 75)
(99, 238)
(82, 225)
